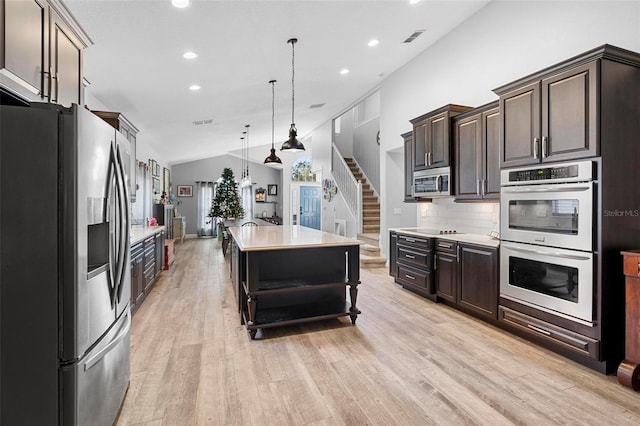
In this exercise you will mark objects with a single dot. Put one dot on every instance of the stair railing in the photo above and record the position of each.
(349, 186)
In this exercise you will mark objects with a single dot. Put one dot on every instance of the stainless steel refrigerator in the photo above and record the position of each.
(64, 267)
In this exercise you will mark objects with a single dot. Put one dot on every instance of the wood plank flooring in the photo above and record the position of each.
(407, 361)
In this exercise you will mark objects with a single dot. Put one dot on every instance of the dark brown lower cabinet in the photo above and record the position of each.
(146, 264)
(478, 280)
(412, 263)
(467, 277)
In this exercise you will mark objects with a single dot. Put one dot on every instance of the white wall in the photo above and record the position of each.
(504, 41)
(210, 169)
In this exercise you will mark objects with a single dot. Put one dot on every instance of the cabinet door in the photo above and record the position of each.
(491, 164)
(520, 126)
(137, 280)
(159, 252)
(408, 168)
(420, 146)
(569, 114)
(66, 62)
(469, 156)
(24, 59)
(393, 241)
(479, 279)
(446, 271)
(438, 141)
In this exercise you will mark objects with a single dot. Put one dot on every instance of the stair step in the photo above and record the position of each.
(372, 261)
(371, 228)
(370, 238)
(371, 213)
(371, 220)
(369, 250)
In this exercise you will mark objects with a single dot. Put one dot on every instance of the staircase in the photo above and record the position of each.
(370, 250)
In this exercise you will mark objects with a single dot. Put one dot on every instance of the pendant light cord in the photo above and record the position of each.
(293, 74)
(273, 108)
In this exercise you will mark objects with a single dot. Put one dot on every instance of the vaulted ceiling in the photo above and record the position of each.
(136, 64)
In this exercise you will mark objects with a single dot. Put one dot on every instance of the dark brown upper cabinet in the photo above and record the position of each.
(553, 118)
(432, 137)
(408, 167)
(41, 51)
(477, 153)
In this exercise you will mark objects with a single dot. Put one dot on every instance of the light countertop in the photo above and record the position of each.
(139, 233)
(484, 240)
(260, 238)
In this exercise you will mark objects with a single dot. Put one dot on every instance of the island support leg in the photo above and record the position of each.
(353, 275)
(251, 309)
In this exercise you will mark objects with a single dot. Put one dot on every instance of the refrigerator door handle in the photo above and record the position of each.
(110, 216)
(123, 223)
(90, 362)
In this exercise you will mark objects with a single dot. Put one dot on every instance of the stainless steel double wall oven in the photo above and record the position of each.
(547, 227)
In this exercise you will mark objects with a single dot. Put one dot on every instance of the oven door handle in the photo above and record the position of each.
(520, 190)
(546, 253)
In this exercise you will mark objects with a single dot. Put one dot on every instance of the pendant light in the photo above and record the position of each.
(273, 159)
(293, 144)
(242, 157)
(246, 181)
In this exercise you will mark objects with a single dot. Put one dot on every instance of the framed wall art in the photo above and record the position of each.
(185, 190)
(272, 189)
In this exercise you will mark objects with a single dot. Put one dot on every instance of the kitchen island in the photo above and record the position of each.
(284, 275)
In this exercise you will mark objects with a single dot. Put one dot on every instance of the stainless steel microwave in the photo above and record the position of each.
(432, 182)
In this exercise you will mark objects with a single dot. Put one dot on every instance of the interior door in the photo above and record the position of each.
(310, 206)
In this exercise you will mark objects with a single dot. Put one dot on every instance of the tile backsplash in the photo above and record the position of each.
(444, 213)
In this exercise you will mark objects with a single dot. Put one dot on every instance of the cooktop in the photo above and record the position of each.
(436, 231)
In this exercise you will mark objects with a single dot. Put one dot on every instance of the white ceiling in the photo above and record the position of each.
(136, 66)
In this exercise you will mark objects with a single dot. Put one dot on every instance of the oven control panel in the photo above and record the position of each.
(546, 173)
(557, 173)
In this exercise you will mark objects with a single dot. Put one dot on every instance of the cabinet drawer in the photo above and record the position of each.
(149, 256)
(149, 274)
(419, 258)
(414, 278)
(632, 266)
(446, 246)
(136, 250)
(418, 242)
(550, 333)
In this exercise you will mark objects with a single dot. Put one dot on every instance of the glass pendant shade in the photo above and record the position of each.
(273, 159)
(292, 144)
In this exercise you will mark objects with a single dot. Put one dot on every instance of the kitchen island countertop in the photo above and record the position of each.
(260, 238)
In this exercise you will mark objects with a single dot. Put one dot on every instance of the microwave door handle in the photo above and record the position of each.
(547, 253)
(439, 183)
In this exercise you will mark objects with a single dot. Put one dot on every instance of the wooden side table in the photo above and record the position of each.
(629, 369)
(169, 253)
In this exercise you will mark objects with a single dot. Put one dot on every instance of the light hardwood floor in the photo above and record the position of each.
(407, 361)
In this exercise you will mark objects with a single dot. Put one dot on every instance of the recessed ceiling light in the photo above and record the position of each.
(180, 4)
(373, 42)
(344, 71)
(194, 87)
(190, 55)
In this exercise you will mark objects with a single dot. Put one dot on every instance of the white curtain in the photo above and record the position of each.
(204, 192)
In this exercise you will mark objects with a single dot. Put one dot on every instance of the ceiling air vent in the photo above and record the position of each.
(316, 106)
(201, 122)
(413, 36)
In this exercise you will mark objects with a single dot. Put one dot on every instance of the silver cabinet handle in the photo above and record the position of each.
(428, 158)
(411, 277)
(458, 254)
(545, 147)
(444, 245)
(478, 187)
(411, 240)
(435, 263)
(539, 330)
(408, 256)
(535, 147)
